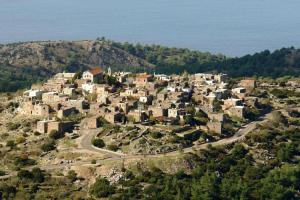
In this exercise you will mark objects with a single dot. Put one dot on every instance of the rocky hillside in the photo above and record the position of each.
(56, 55)
(21, 64)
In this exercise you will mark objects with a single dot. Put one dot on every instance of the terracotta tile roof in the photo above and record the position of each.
(96, 71)
(144, 75)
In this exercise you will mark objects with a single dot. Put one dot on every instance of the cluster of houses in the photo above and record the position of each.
(137, 98)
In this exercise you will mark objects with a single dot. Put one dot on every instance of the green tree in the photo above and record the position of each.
(102, 188)
(207, 188)
(72, 176)
(97, 142)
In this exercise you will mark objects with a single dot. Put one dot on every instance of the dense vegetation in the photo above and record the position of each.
(285, 61)
(12, 78)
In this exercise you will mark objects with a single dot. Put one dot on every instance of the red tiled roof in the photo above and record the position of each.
(144, 75)
(96, 71)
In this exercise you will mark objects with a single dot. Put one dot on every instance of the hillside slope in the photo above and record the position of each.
(21, 64)
(24, 63)
(285, 61)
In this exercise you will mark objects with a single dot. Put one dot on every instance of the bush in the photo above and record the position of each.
(55, 135)
(36, 133)
(11, 144)
(142, 141)
(2, 173)
(23, 160)
(36, 175)
(102, 188)
(72, 176)
(20, 140)
(97, 142)
(7, 191)
(13, 126)
(112, 147)
(48, 146)
(93, 161)
(156, 135)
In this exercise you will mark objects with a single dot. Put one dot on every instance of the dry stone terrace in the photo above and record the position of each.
(202, 103)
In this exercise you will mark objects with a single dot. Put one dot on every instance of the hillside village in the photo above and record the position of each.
(103, 123)
(145, 99)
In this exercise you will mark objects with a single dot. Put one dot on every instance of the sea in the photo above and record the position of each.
(230, 27)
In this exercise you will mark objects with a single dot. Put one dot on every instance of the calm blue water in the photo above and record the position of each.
(233, 27)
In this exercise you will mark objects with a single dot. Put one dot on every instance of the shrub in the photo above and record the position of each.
(20, 140)
(22, 161)
(13, 126)
(112, 147)
(38, 175)
(55, 135)
(97, 142)
(11, 144)
(102, 188)
(2, 173)
(7, 191)
(48, 146)
(142, 141)
(72, 176)
(25, 174)
(93, 161)
(156, 135)
(36, 133)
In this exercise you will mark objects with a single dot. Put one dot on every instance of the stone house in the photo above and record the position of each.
(64, 76)
(141, 93)
(251, 101)
(158, 111)
(103, 99)
(101, 89)
(173, 112)
(220, 78)
(249, 84)
(216, 117)
(124, 107)
(65, 112)
(113, 117)
(53, 97)
(79, 104)
(151, 86)
(145, 99)
(35, 108)
(52, 86)
(89, 87)
(128, 92)
(69, 91)
(143, 79)
(161, 96)
(237, 111)
(228, 103)
(215, 127)
(33, 94)
(93, 75)
(137, 116)
(46, 126)
(93, 123)
(239, 92)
